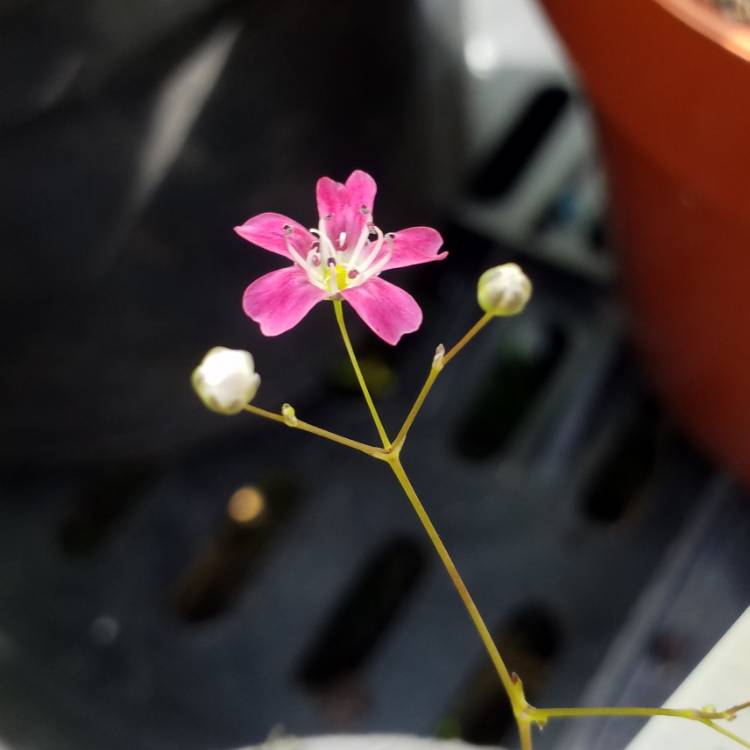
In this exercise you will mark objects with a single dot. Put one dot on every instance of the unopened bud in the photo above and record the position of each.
(503, 290)
(437, 360)
(290, 416)
(226, 380)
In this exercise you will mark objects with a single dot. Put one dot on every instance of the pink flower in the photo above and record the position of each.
(341, 259)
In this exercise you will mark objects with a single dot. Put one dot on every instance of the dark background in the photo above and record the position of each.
(134, 611)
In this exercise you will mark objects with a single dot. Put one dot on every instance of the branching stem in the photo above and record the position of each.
(526, 715)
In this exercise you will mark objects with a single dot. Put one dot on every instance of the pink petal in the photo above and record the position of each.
(345, 202)
(280, 299)
(360, 190)
(328, 195)
(387, 309)
(415, 245)
(267, 231)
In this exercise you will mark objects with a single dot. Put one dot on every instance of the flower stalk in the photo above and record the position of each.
(526, 715)
(339, 312)
(440, 360)
(341, 261)
(298, 424)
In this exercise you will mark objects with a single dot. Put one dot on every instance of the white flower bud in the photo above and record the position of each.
(226, 380)
(503, 290)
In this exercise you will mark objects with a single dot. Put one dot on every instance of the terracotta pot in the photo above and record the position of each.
(670, 84)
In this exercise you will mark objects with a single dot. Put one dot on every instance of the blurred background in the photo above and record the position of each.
(170, 578)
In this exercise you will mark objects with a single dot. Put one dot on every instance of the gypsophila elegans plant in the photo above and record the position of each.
(340, 261)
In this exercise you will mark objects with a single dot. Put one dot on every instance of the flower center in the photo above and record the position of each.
(337, 263)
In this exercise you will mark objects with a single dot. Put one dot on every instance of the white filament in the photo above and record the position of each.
(360, 262)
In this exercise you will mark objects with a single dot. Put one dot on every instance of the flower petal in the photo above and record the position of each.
(267, 231)
(280, 299)
(387, 309)
(415, 245)
(344, 204)
(360, 190)
(328, 195)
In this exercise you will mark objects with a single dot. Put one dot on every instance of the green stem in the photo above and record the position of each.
(525, 714)
(458, 583)
(339, 311)
(524, 732)
(435, 370)
(412, 415)
(468, 336)
(571, 713)
(541, 715)
(370, 450)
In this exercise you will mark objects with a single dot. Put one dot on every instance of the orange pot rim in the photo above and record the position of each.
(733, 36)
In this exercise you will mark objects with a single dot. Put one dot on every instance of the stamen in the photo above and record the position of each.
(353, 273)
(288, 229)
(298, 259)
(363, 209)
(330, 276)
(361, 242)
(375, 250)
(381, 264)
(313, 257)
(326, 246)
